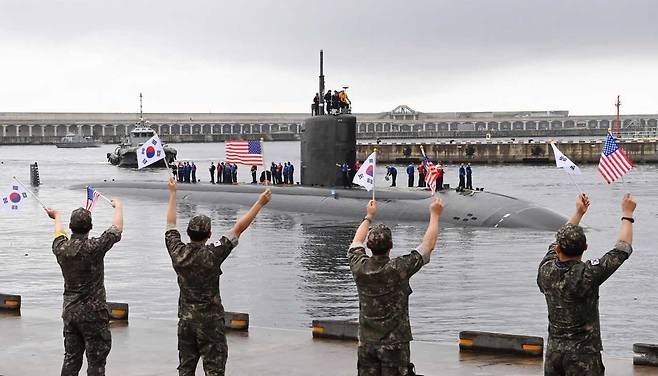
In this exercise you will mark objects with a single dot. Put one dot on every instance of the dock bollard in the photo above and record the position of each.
(473, 341)
(10, 302)
(236, 321)
(117, 311)
(34, 175)
(336, 329)
(646, 354)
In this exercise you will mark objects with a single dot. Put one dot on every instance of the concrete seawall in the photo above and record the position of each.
(638, 151)
(167, 138)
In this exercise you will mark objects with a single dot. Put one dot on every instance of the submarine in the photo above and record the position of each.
(328, 140)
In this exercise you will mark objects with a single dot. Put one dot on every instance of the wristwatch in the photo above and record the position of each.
(367, 219)
(630, 219)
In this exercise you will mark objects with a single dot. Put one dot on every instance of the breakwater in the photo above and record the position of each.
(639, 151)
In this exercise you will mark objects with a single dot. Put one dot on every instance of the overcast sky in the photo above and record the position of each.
(262, 56)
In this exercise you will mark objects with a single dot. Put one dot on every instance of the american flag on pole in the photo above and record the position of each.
(613, 163)
(244, 152)
(431, 173)
(92, 197)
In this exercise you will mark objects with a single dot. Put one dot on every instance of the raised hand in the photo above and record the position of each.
(52, 213)
(371, 209)
(265, 197)
(628, 205)
(436, 207)
(172, 184)
(582, 203)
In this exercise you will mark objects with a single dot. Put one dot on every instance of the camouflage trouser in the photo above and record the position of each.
(204, 339)
(570, 364)
(91, 336)
(384, 360)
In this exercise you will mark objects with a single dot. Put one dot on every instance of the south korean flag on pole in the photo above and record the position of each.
(365, 177)
(150, 152)
(565, 163)
(14, 197)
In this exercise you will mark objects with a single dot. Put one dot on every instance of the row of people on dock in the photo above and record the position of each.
(336, 102)
(185, 172)
(570, 287)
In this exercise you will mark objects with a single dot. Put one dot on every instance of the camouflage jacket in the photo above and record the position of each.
(198, 270)
(571, 290)
(383, 287)
(81, 260)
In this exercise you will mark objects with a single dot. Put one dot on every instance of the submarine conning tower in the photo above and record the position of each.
(327, 141)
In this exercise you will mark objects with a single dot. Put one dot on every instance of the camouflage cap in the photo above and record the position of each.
(80, 219)
(199, 223)
(379, 238)
(571, 239)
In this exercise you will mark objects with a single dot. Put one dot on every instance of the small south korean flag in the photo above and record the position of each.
(561, 161)
(365, 177)
(14, 198)
(150, 152)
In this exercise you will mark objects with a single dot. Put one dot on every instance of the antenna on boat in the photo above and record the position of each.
(141, 114)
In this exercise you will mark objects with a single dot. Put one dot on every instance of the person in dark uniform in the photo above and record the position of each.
(571, 289)
(335, 102)
(193, 171)
(234, 173)
(254, 169)
(85, 314)
(212, 172)
(462, 176)
(220, 172)
(273, 171)
(469, 177)
(345, 173)
(410, 174)
(228, 175)
(291, 173)
(197, 265)
(393, 173)
(383, 287)
(439, 176)
(328, 101)
(316, 105)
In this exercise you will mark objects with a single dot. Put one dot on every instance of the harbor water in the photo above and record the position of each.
(291, 268)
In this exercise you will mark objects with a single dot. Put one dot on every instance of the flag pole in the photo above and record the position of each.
(580, 190)
(374, 174)
(32, 193)
(262, 153)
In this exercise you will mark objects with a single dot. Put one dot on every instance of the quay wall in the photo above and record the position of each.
(48, 128)
(638, 151)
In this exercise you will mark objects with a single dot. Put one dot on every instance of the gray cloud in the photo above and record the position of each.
(401, 43)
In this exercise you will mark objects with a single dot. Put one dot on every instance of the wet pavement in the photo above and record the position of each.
(33, 345)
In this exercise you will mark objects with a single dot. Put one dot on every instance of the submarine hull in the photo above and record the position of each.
(465, 209)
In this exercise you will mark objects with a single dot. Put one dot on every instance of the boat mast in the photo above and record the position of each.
(141, 114)
(321, 92)
(618, 120)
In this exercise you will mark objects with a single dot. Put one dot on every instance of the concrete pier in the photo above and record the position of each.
(33, 345)
(639, 151)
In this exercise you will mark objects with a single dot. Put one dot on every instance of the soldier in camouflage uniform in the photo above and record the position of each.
(197, 264)
(85, 315)
(383, 286)
(571, 288)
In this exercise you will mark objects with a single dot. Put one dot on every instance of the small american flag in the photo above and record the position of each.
(613, 163)
(92, 197)
(244, 152)
(431, 173)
